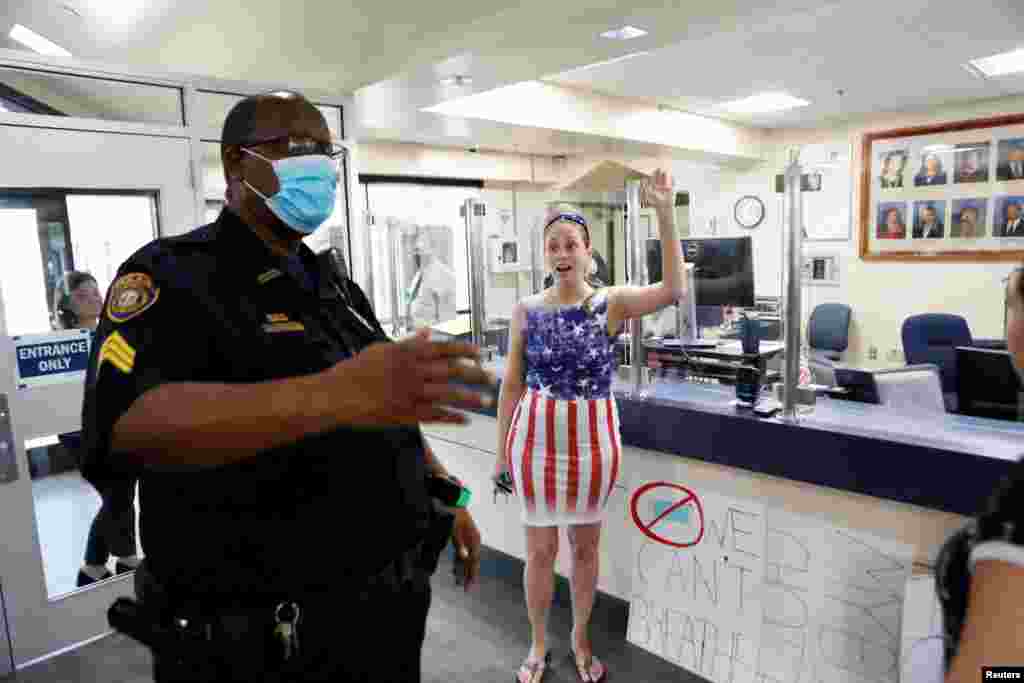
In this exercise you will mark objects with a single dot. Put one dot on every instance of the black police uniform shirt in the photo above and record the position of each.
(216, 305)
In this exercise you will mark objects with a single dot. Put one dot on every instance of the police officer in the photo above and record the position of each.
(285, 520)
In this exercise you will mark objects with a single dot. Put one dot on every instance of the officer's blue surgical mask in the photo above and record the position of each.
(308, 184)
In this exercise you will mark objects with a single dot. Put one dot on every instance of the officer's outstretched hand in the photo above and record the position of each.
(411, 381)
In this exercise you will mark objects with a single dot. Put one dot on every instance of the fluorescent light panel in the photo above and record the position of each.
(624, 33)
(1002, 64)
(34, 41)
(764, 103)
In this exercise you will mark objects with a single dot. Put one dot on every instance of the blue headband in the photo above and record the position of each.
(572, 218)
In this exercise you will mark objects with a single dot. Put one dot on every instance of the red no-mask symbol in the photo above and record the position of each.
(648, 528)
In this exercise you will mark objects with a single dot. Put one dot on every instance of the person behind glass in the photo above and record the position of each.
(980, 569)
(931, 172)
(558, 424)
(432, 289)
(78, 302)
(285, 515)
(79, 305)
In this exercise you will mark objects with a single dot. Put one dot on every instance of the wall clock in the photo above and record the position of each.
(749, 212)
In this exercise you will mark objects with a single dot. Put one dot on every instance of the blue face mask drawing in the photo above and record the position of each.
(308, 185)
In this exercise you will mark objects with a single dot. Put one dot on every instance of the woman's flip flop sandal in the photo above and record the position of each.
(532, 670)
(592, 672)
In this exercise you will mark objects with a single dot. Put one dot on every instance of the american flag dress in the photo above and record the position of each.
(563, 447)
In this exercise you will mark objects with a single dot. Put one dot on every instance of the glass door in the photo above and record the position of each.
(66, 220)
(419, 256)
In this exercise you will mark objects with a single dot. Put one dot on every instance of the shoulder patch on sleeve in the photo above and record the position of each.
(118, 352)
(130, 296)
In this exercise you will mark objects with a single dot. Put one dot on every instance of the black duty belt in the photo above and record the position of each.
(190, 629)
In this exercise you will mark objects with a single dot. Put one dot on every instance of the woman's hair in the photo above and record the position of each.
(568, 213)
(899, 215)
(62, 308)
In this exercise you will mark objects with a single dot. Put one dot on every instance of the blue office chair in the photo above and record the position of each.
(933, 338)
(828, 333)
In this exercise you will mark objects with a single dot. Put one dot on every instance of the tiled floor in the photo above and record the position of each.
(477, 637)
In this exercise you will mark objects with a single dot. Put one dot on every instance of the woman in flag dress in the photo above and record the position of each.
(558, 422)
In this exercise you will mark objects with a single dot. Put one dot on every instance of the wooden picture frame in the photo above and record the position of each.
(944, 193)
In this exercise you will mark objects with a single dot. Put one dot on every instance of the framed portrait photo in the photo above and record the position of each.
(891, 222)
(969, 219)
(944, 192)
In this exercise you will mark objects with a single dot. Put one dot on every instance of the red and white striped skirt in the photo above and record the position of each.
(564, 457)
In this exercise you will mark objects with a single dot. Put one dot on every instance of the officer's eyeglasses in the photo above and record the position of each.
(293, 147)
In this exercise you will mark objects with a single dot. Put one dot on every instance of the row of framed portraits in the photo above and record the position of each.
(951, 192)
(961, 163)
(967, 219)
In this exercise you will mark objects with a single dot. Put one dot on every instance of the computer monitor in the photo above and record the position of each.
(723, 269)
(710, 316)
(859, 385)
(987, 384)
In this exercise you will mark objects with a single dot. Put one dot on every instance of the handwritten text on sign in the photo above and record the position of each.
(52, 358)
(769, 597)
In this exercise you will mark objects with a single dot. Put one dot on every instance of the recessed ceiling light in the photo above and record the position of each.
(1002, 64)
(624, 33)
(34, 41)
(764, 103)
(458, 81)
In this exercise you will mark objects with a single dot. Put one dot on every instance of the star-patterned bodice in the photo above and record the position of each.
(569, 353)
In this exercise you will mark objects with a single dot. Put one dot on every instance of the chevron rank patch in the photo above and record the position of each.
(117, 352)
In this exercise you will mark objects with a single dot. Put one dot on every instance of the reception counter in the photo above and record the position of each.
(911, 479)
(941, 462)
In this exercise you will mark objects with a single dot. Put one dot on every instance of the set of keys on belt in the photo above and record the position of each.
(286, 616)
